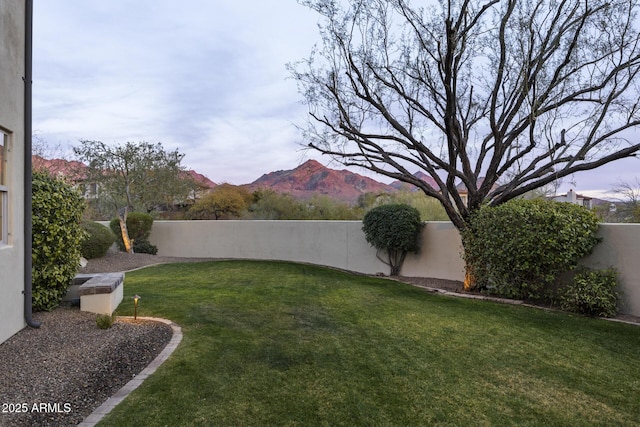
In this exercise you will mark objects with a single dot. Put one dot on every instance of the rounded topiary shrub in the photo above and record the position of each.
(394, 229)
(57, 236)
(139, 228)
(518, 249)
(99, 240)
(593, 293)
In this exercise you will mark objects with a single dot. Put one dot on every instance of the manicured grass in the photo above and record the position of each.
(270, 343)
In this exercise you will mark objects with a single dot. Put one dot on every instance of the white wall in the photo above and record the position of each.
(342, 244)
(12, 17)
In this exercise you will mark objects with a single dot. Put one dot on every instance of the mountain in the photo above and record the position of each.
(312, 178)
(399, 185)
(304, 181)
(74, 170)
(199, 179)
(71, 169)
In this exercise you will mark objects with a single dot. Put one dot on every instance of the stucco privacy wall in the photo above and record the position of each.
(338, 244)
(620, 248)
(333, 243)
(12, 46)
(342, 244)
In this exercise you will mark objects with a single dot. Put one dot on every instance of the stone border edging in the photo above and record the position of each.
(99, 413)
(505, 301)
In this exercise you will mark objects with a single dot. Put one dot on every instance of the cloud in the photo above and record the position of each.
(205, 76)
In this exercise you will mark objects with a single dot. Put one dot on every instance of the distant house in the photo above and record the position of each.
(201, 185)
(576, 199)
(14, 105)
(464, 192)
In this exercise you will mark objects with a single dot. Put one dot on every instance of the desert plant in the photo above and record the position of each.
(139, 226)
(105, 321)
(518, 249)
(57, 236)
(593, 293)
(141, 246)
(394, 229)
(224, 201)
(99, 240)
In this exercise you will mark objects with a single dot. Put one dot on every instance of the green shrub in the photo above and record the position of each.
(593, 293)
(144, 247)
(99, 241)
(105, 321)
(139, 228)
(394, 229)
(57, 236)
(518, 249)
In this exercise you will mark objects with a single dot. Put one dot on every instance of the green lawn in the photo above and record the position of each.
(273, 343)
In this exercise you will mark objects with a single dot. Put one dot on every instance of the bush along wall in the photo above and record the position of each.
(592, 293)
(519, 249)
(99, 240)
(57, 236)
(139, 227)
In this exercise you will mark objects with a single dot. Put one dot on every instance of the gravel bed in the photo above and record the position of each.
(58, 374)
(116, 261)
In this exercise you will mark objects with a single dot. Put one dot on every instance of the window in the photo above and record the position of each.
(4, 191)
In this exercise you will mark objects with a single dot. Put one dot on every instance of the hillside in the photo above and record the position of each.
(306, 180)
(74, 170)
(312, 178)
(399, 185)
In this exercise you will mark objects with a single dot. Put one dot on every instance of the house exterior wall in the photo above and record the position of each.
(342, 244)
(12, 50)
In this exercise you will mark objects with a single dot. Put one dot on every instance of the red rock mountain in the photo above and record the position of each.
(312, 178)
(304, 181)
(200, 180)
(74, 169)
(399, 185)
(59, 167)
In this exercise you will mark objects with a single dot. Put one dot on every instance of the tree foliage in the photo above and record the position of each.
(501, 96)
(518, 249)
(56, 212)
(629, 195)
(430, 209)
(224, 201)
(395, 230)
(270, 205)
(133, 176)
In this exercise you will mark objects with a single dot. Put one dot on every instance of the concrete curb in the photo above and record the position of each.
(121, 394)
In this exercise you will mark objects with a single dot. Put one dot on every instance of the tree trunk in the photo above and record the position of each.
(469, 273)
(469, 277)
(128, 244)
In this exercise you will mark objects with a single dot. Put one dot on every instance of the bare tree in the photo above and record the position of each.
(501, 96)
(629, 197)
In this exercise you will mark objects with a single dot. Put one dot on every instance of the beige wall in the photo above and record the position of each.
(12, 17)
(334, 243)
(342, 244)
(338, 244)
(620, 248)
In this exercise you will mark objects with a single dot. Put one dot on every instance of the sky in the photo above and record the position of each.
(206, 77)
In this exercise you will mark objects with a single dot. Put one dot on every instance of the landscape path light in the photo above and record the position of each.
(136, 298)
